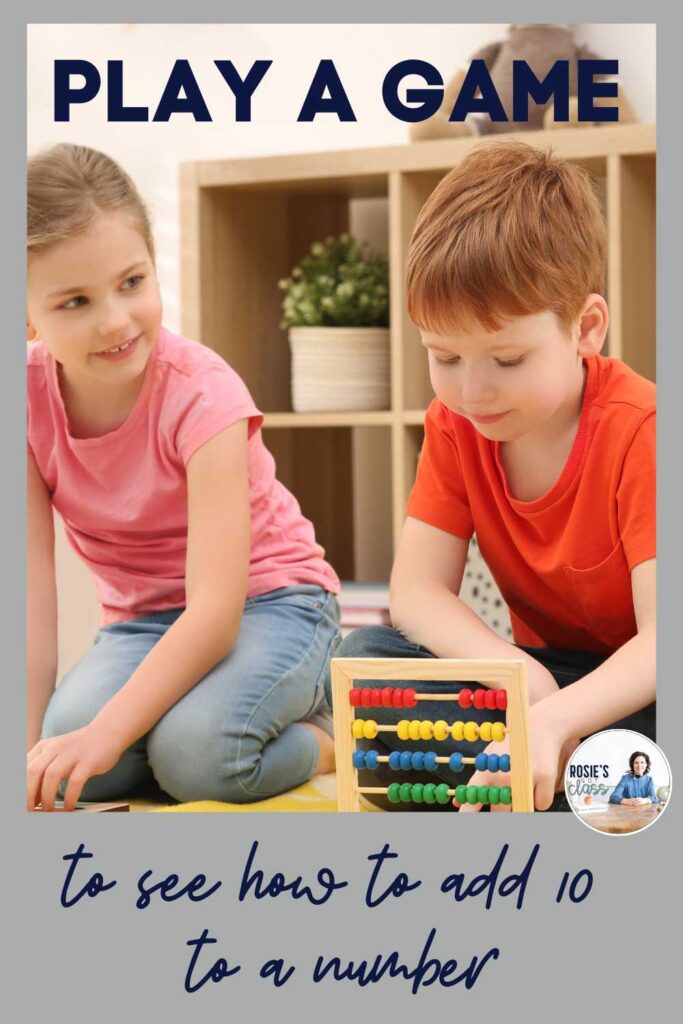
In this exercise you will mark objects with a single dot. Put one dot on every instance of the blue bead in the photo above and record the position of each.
(418, 760)
(505, 762)
(430, 760)
(395, 760)
(481, 762)
(493, 760)
(359, 759)
(371, 760)
(406, 760)
(455, 763)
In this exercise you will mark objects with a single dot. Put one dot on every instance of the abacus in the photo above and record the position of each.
(509, 693)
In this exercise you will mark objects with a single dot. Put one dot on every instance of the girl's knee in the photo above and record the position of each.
(65, 714)
(194, 760)
(84, 691)
(191, 760)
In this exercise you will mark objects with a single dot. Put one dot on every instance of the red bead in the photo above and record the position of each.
(501, 699)
(409, 697)
(366, 697)
(377, 698)
(490, 699)
(398, 698)
(478, 698)
(465, 698)
(354, 697)
(387, 697)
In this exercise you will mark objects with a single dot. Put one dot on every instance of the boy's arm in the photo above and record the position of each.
(42, 601)
(623, 684)
(425, 581)
(216, 586)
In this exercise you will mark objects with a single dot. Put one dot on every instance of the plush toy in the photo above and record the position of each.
(540, 46)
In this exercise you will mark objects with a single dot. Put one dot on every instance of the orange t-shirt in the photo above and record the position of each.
(563, 561)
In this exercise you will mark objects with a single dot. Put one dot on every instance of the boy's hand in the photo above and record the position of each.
(75, 756)
(549, 756)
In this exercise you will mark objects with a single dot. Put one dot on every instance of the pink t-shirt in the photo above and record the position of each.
(123, 496)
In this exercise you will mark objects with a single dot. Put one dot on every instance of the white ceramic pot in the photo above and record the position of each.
(340, 369)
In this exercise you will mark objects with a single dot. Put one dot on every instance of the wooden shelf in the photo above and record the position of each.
(359, 171)
(414, 417)
(246, 222)
(328, 419)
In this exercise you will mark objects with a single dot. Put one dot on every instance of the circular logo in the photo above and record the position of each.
(618, 782)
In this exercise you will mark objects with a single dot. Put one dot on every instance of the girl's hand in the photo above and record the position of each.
(549, 756)
(76, 757)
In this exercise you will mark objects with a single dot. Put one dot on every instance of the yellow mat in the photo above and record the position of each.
(318, 794)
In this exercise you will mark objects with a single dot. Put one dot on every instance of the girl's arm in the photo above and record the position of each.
(216, 586)
(42, 601)
(425, 582)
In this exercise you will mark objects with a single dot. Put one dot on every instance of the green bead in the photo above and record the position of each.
(442, 794)
(429, 793)
(505, 795)
(405, 792)
(494, 794)
(392, 792)
(417, 793)
(472, 794)
(482, 794)
(461, 794)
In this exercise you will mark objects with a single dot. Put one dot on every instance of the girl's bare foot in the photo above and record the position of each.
(326, 744)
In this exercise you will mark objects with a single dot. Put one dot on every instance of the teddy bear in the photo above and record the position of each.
(540, 46)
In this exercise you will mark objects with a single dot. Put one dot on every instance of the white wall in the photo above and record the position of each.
(151, 152)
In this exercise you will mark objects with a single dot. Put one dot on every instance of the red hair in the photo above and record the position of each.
(510, 231)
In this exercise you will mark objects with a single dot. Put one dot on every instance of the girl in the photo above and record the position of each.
(219, 614)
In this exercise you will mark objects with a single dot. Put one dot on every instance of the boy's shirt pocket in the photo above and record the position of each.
(603, 594)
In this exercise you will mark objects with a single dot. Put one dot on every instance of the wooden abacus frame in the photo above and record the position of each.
(503, 674)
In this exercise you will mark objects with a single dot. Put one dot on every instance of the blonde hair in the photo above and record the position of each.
(68, 185)
(510, 231)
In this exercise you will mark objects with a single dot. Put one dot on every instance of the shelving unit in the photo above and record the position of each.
(246, 222)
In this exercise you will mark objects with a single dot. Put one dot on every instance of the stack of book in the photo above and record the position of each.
(363, 604)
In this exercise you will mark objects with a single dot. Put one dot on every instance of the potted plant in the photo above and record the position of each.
(336, 307)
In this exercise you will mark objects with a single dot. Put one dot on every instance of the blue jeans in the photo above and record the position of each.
(383, 642)
(235, 735)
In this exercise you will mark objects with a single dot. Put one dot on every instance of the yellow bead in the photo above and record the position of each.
(457, 730)
(414, 729)
(370, 730)
(426, 730)
(357, 728)
(402, 729)
(471, 731)
(498, 731)
(440, 730)
(485, 732)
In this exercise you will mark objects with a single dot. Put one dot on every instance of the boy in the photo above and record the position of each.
(538, 444)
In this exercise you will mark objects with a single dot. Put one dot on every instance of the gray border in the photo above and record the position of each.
(558, 959)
